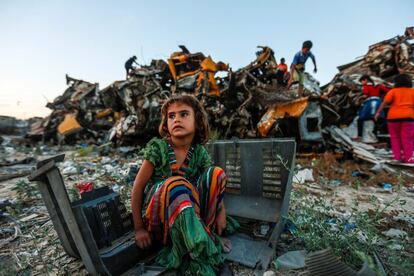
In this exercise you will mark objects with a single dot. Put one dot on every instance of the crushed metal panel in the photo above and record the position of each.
(69, 125)
(310, 123)
(292, 109)
(246, 250)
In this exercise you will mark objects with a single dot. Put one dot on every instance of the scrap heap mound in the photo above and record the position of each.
(246, 103)
(128, 111)
(383, 61)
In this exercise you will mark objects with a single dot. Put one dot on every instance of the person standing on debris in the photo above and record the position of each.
(177, 196)
(129, 63)
(281, 71)
(400, 117)
(372, 94)
(297, 69)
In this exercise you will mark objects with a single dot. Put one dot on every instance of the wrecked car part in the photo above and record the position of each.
(310, 123)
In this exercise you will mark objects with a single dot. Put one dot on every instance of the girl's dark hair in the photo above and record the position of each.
(366, 77)
(403, 80)
(201, 119)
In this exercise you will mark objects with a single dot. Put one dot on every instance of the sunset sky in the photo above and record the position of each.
(41, 41)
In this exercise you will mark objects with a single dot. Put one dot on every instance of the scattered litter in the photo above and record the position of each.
(335, 183)
(269, 273)
(108, 168)
(85, 187)
(116, 188)
(395, 233)
(387, 187)
(106, 160)
(377, 168)
(291, 260)
(395, 246)
(405, 218)
(360, 174)
(69, 170)
(302, 176)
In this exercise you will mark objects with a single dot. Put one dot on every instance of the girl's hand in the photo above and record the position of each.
(221, 221)
(142, 238)
(376, 116)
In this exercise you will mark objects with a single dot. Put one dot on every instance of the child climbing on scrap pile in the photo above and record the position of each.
(372, 99)
(177, 196)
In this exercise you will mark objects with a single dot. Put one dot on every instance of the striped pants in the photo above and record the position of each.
(176, 193)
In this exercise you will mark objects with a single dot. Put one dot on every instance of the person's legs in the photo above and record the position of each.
(300, 90)
(301, 78)
(360, 127)
(407, 140)
(394, 131)
(191, 247)
(279, 77)
(173, 195)
(295, 78)
(368, 135)
(211, 186)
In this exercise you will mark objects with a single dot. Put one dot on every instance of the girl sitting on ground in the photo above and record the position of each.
(400, 117)
(177, 196)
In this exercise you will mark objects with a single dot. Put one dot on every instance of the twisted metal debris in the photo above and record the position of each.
(244, 103)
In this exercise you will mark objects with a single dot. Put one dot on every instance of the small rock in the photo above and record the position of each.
(269, 273)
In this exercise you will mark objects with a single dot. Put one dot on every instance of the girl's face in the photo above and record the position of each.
(364, 82)
(180, 120)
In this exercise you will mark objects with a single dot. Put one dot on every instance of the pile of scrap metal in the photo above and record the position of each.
(383, 61)
(137, 101)
(246, 103)
(79, 113)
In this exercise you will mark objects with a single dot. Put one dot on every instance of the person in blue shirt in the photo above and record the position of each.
(297, 68)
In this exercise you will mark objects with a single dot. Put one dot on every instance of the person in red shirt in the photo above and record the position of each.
(372, 94)
(400, 117)
(369, 89)
(281, 71)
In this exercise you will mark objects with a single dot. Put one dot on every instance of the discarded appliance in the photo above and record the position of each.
(98, 229)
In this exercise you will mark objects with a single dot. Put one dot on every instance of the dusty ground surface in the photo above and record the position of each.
(29, 244)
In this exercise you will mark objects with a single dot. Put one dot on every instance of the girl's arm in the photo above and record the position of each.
(141, 180)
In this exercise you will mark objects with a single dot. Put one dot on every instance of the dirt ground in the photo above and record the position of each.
(29, 244)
